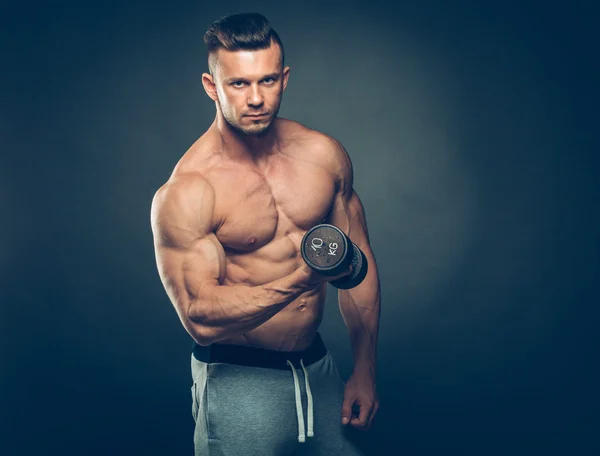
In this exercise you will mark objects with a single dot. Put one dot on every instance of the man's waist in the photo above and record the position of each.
(260, 357)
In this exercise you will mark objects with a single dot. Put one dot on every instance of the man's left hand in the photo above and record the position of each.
(360, 391)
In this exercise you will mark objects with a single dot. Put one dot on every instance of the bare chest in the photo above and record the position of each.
(257, 207)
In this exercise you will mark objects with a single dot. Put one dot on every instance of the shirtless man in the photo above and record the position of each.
(227, 229)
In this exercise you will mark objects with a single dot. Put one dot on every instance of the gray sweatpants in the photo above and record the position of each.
(251, 401)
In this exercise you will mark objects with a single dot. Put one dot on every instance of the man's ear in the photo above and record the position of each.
(208, 82)
(286, 75)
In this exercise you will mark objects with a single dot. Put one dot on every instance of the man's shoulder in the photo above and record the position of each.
(298, 132)
(199, 157)
(185, 203)
(191, 172)
(181, 187)
(309, 142)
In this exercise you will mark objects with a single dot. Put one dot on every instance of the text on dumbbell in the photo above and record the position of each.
(316, 243)
(333, 248)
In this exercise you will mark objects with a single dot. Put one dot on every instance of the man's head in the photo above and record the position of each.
(247, 74)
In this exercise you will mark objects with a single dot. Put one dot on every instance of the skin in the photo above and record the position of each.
(228, 223)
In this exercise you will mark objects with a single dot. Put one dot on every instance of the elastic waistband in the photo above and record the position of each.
(260, 357)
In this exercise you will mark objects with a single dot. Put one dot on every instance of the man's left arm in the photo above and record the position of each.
(359, 306)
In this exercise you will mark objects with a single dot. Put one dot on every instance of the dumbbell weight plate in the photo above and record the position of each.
(325, 249)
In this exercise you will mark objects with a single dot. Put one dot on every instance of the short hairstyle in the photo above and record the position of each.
(236, 32)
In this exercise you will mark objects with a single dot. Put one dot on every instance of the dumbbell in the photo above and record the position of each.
(329, 251)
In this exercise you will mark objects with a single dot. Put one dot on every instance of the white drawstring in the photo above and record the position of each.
(301, 435)
(310, 432)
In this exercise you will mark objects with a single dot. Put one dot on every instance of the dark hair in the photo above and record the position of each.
(236, 32)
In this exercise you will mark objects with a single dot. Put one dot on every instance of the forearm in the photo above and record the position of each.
(360, 309)
(221, 312)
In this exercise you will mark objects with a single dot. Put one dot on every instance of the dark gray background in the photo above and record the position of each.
(470, 129)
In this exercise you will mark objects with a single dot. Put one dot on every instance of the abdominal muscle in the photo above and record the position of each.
(291, 329)
(294, 327)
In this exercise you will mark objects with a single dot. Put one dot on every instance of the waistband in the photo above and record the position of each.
(260, 357)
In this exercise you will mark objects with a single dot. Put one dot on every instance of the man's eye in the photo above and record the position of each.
(238, 84)
(269, 80)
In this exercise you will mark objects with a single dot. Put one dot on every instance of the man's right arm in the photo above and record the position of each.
(191, 265)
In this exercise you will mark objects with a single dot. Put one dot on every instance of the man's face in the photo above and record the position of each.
(249, 87)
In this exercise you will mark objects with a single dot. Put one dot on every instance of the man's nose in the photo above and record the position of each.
(255, 98)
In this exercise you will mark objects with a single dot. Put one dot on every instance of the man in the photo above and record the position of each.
(227, 229)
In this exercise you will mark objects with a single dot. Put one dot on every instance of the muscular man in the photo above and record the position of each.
(227, 229)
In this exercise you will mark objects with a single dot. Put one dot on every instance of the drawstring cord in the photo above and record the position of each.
(310, 432)
(301, 434)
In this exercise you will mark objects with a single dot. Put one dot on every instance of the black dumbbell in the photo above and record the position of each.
(329, 251)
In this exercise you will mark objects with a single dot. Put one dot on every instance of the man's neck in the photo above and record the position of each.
(255, 149)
